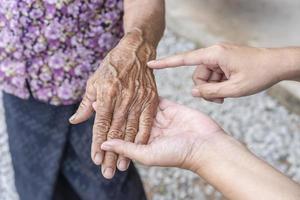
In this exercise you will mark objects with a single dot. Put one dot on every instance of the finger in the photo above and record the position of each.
(215, 90)
(130, 134)
(201, 74)
(131, 150)
(145, 124)
(104, 112)
(195, 57)
(116, 131)
(110, 158)
(215, 77)
(131, 126)
(85, 109)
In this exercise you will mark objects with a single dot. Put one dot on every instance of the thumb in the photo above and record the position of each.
(130, 150)
(195, 57)
(85, 109)
(215, 90)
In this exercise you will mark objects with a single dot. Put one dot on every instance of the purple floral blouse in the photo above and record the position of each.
(49, 48)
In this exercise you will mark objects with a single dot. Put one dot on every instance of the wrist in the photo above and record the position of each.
(287, 62)
(148, 36)
(218, 150)
(135, 38)
(133, 48)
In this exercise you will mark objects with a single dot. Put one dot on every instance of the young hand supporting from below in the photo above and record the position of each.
(185, 138)
(227, 70)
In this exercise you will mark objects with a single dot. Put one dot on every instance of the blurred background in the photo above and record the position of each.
(268, 123)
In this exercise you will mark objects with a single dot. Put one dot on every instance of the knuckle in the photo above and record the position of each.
(101, 126)
(131, 132)
(110, 159)
(147, 120)
(115, 134)
(96, 144)
(89, 82)
(118, 119)
(220, 48)
(89, 90)
(104, 85)
(127, 95)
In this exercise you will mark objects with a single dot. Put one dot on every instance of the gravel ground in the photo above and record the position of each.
(266, 127)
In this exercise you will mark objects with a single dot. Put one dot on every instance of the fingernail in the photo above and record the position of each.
(123, 165)
(108, 173)
(98, 159)
(72, 118)
(150, 62)
(195, 92)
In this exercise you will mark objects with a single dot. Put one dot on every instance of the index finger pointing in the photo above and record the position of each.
(194, 57)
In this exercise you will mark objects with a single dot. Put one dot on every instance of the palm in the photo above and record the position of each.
(180, 127)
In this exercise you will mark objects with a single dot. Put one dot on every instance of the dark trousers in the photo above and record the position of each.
(51, 158)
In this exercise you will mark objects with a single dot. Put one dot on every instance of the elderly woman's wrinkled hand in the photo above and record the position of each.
(124, 96)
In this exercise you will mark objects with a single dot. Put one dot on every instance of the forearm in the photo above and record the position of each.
(146, 15)
(238, 174)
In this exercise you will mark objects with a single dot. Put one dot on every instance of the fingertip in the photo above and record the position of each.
(72, 119)
(195, 92)
(150, 63)
(110, 144)
(108, 172)
(106, 146)
(80, 116)
(153, 64)
(123, 164)
(98, 158)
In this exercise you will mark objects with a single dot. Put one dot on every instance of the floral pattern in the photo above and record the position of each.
(49, 48)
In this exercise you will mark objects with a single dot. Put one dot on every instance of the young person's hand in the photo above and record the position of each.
(179, 136)
(182, 137)
(233, 71)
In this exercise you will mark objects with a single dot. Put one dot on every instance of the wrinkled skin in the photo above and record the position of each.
(124, 96)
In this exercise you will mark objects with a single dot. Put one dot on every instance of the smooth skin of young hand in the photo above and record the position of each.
(227, 70)
(185, 138)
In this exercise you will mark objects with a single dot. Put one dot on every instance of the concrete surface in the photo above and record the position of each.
(265, 23)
